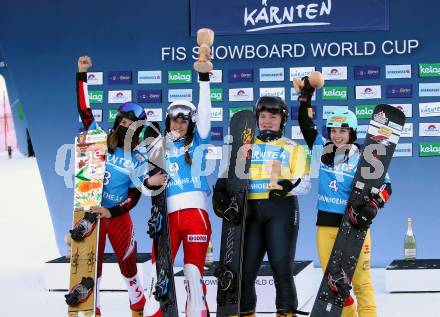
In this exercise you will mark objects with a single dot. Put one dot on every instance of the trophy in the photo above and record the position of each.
(273, 168)
(205, 39)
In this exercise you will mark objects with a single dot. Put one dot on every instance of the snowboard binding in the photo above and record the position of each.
(339, 282)
(84, 227)
(155, 223)
(80, 292)
(232, 213)
(225, 278)
(161, 287)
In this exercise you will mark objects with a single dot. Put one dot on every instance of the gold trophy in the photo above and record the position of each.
(273, 168)
(205, 39)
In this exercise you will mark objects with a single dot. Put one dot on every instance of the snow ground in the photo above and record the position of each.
(21, 267)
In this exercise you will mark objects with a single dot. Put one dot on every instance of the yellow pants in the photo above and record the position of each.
(361, 282)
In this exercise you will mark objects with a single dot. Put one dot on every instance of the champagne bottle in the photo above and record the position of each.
(410, 242)
(209, 260)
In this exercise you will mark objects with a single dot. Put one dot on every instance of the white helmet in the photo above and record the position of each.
(182, 109)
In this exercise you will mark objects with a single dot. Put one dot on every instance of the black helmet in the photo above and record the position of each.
(273, 105)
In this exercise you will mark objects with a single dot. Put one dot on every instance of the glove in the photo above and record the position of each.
(220, 197)
(307, 90)
(362, 212)
(278, 194)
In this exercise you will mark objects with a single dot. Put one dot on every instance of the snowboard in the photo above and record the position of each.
(228, 271)
(90, 158)
(158, 229)
(382, 137)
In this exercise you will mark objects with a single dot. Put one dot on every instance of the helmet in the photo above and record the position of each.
(273, 105)
(182, 109)
(129, 110)
(342, 118)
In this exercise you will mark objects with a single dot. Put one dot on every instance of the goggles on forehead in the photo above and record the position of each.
(132, 111)
(181, 111)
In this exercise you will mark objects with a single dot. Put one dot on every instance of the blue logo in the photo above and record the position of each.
(366, 72)
(294, 112)
(119, 78)
(241, 75)
(216, 133)
(149, 96)
(399, 91)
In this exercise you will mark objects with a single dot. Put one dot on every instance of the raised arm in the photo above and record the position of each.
(306, 124)
(82, 94)
(204, 107)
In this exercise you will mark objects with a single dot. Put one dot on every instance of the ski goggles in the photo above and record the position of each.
(132, 111)
(181, 111)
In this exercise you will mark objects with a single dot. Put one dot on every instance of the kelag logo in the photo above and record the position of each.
(368, 92)
(272, 92)
(429, 129)
(216, 133)
(300, 72)
(397, 71)
(150, 77)
(294, 112)
(429, 70)
(366, 72)
(241, 94)
(176, 94)
(399, 91)
(335, 73)
(334, 93)
(429, 89)
(271, 74)
(429, 149)
(150, 96)
(112, 115)
(429, 109)
(240, 75)
(96, 96)
(234, 110)
(364, 111)
(179, 77)
(119, 78)
(216, 94)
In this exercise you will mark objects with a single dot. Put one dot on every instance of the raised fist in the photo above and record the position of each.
(84, 63)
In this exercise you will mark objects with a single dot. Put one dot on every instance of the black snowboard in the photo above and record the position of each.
(164, 290)
(383, 134)
(228, 272)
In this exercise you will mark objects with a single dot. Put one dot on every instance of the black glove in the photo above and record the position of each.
(362, 212)
(220, 197)
(277, 194)
(306, 91)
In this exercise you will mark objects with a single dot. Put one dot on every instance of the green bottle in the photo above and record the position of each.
(410, 242)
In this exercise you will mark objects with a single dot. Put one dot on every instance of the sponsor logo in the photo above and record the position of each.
(368, 92)
(241, 75)
(334, 93)
(214, 153)
(300, 72)
(119, 96)
(294, 113)
(397, 71)
(150, 77)
(429, 149)
(429, 89)
(362, 131)
(234, 110)
(216, 133)
(216, 114)
(335, 73)
(366, 72)
(429, 109)
(176, 94)
(119, 77)
(96, 96)
(382, 139)
(328, 110)
(179, 77)
(215, 76)
(271, 74)
(429, 129)
(364, 111)
(197, 238)
(381, 117)
(94, 78)
(153, 114)
(273, 92)
(429, 70)
(216, 94)
(385, 131)
(399, 91)
(405, 108)
(97, 115)
(241, 94)
(112, 115)
(296, 133)
(403, 150)
(150, 96)
(407, 131)
(294, 95)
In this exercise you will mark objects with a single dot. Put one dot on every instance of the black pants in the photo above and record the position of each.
(271, 227)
